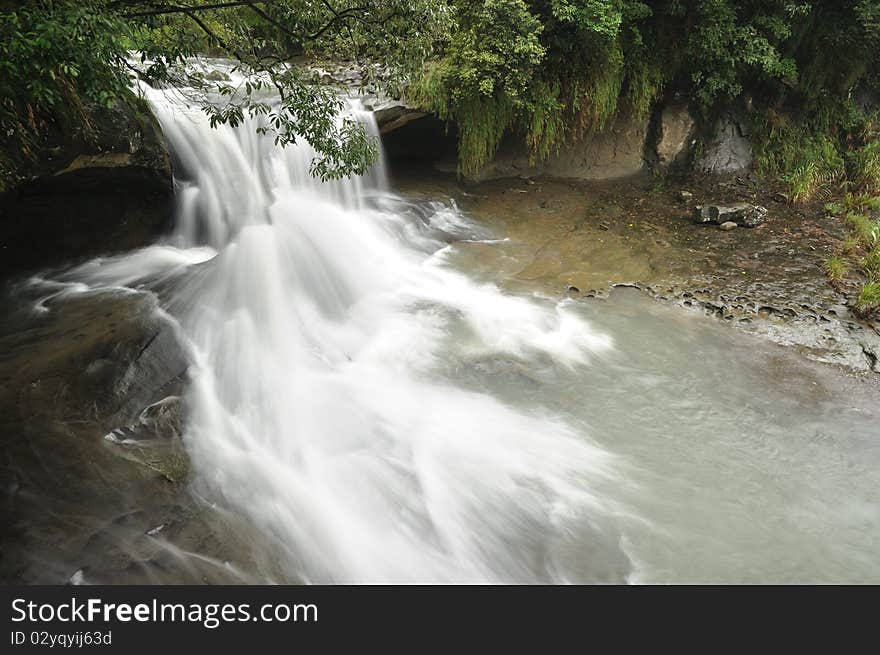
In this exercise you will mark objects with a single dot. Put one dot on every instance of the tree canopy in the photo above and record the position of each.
(56, 53)
(555, 70)
(550, 71)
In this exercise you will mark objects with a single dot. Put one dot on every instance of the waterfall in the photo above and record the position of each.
(325, 329)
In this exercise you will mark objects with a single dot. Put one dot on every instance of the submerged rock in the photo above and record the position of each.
(727, 226)
(741, 214)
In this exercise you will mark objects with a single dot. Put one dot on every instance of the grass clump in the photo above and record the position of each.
(869, 297)
(865, 168)
(806, 159)
(865, 229)
(836, 268)
(850, 245)
(859, 252)
(853, 203)
(871, 262)
(835, 208)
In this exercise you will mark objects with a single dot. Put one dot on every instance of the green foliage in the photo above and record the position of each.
(583, 62)
(850, 246)
(865, 163)
(860, 250)
(869, 297)
(57, 55)
(496, 55)
(601, 17)
(483, 81)
(803, 153)
(836, 268)
(549, 71)
(51, 54)
(871, 262)
(835, 208)
(866, 229)
(853, 203)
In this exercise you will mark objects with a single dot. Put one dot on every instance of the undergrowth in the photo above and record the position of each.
(858, 257)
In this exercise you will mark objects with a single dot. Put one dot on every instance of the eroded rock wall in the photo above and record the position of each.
(109, 188)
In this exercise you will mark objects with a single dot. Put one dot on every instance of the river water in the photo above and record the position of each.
(365, 404)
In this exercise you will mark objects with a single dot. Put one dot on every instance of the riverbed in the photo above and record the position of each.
(419, 381)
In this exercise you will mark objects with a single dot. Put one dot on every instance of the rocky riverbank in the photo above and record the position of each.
(582, 239)
(93, 469)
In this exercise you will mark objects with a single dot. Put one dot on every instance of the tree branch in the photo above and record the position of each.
(207, 30)
(195, 8)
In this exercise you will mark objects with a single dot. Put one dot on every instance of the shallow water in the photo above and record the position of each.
(738, 460)
(364, 404)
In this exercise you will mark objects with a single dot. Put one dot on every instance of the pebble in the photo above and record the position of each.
(728, 225)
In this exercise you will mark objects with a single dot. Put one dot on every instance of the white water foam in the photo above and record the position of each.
(317, 316)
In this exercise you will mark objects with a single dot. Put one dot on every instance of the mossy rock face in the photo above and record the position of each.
(99, 185)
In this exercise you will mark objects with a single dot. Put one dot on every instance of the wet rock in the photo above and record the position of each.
(105, 187)
(163, 418)
(68, 376)
(728, 149)
(393, 115)
(616, 152)
(154, 439)
(217, 75)
(780, 198)
(742, 214)
(77, 578)
(676, 133)
(727, 226)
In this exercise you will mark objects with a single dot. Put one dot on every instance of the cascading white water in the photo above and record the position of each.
(358, 410)
(317, 316)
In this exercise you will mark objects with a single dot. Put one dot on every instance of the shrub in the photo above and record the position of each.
(866, 230)
(865, 163)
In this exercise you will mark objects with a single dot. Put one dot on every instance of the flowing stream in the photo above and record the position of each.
(374, 412)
